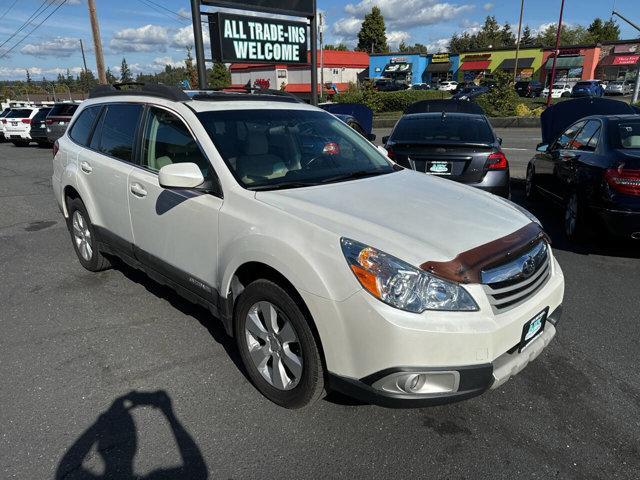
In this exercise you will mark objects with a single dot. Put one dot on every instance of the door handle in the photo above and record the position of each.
(86, 167)
(138, 190)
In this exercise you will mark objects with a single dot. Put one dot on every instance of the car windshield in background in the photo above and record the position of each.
(438, 128)
(63, 110)
(628, 135)
(269, 149)
(19, 113)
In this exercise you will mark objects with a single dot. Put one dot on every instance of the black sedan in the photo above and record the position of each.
(593, 170)
(459, 146)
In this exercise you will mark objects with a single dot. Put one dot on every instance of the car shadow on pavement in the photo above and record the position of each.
(205, 317)
(113, 438)
(552, 219)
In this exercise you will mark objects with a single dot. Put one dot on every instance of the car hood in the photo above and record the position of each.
(411, 215)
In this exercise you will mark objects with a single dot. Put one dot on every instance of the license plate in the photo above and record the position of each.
(533, 328)
(439, 168)
(15, 124)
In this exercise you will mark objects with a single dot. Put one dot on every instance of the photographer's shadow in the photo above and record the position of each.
(114, 438)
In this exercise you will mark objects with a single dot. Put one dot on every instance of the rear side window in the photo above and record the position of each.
(583, 140)
(64, 110)
(115, 134)
(565, 139)
(433, 128)
(42, 114)
(81, 129)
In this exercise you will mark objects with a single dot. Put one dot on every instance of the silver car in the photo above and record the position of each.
(618, 88)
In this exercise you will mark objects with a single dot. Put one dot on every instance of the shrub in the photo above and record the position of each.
(386, 101)
(502, 100)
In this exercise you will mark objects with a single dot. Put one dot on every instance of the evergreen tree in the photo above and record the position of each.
(339, 46)
(219, 76)
(372, 36)
(28, 77)
(111, 79)
(526, 38)
(506, 36)
(192, 73)
(125, 71)
(599, 31)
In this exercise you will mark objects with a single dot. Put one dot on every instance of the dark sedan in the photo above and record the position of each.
(459, 146)
(593, 170)
(39, 127)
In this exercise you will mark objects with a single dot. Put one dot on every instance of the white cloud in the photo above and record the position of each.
(19, 73)
(439, 45)
(149, 38)
(487, 6)
(160, 62)
(57, 47)
(349, 26)
(395, 38)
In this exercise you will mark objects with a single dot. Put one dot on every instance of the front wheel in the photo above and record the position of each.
(574, 218)
(277, 345)
(529, 185)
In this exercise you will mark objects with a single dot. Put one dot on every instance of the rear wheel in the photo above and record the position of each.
(574, 218)
(84, 238)
(277, 346)
(20, 143)
(529, 185)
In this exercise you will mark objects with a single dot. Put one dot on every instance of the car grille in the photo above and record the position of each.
(512, 283)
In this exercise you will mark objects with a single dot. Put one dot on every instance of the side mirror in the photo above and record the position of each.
(383, 150)
(180, 175)
(371, 136)
(499, 140)
(385, 139)
(542, 147)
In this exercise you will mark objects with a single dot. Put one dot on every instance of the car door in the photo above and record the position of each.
(576, 158)
(546, 165)
(175, 231)
(105, 168)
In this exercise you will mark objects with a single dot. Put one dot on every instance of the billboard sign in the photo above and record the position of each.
(249, 39)
(440, 58)
(296, 8)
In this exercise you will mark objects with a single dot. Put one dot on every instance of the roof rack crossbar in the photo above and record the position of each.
(148, 89)
(210, 92)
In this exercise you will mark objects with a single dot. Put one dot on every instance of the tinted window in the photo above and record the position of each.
(20, 113)
(42, 114)
(581, 142)
(81, 128)
(5, 112)
(266, 148)
(567, 136)
(117, 129)
(627, 135)
(64, 110)
(167, 140)
(435, 128)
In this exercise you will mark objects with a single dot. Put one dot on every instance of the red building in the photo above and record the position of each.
(340, 69)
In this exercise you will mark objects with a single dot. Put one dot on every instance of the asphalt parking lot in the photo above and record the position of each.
(113, 374)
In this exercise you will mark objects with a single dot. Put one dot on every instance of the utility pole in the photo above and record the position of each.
(515, 68)
(321, 32)
(97, 42)
(555, 54)
(201, 66)
(84, 59)
(636, 89)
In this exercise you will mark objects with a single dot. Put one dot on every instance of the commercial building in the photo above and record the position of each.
(618, 61)
(476, 65)
(412, 68)
(340, 69)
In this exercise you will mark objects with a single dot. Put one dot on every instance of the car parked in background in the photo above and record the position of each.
(420, 86)
(462, 85)
(58, 119)
(592, 169)
(458, 146)
(588, 88)
(559, 90)
(470, 93)
(39, 127)
(17, 129)
(447, 85)
(3, 122)
(389, 85)
(618, 87)
(529, 88)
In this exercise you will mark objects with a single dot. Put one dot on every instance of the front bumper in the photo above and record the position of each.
(471, 380)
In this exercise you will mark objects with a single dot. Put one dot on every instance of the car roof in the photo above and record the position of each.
(440, 115)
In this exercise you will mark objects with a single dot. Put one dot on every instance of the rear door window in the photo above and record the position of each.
(115, 134)
(81, 128)
(565, 139)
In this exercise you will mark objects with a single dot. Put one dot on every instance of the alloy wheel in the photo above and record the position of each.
(82, 235)
(274, 346)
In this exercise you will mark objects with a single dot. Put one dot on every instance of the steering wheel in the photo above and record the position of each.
(316, 161)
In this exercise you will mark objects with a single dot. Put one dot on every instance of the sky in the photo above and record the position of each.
(153, 33)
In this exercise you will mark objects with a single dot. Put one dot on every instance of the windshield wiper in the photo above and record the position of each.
(354, 175)
(278, 186)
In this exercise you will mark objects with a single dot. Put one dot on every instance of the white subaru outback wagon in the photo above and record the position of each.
(333, 268)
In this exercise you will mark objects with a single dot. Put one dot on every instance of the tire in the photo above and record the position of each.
(574, 218)
(83, 237)
(20, 143)
(530, 191)
(289, 343)
(565, 94)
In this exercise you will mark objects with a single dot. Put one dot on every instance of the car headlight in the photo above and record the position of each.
(401, 285)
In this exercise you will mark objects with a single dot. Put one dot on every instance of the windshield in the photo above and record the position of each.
(267, 149)
(20, 113)
(628, 135)
(436, 129)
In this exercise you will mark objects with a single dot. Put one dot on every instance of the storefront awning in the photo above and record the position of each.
(475, 65)
(565, 62)
(439, 67)
(615, 60)
(510, 63)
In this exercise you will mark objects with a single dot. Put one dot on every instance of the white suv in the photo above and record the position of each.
(17, 125)
(331, 266)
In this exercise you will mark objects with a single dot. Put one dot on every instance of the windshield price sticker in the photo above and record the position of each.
(240, 38)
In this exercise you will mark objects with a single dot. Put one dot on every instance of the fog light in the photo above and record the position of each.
(420, 383)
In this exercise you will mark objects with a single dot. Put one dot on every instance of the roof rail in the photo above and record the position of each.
(148, 89)
(228, 93)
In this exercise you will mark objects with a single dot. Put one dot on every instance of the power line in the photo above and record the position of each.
(33, 29)
(24, 25)
(155, 6)
(8, 9)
